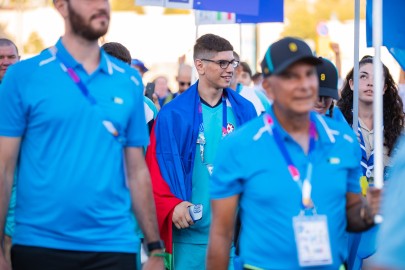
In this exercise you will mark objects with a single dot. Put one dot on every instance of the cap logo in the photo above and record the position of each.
(293, 47)
(266, 70)
(323, 76)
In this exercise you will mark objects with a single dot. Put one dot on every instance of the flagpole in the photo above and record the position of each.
(356, 65)
(378, 98)
(240, 40)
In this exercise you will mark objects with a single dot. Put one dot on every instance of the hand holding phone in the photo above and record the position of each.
(149, 90)
(196, 211)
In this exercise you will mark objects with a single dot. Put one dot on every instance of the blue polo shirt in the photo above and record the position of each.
(250, 164)
(71, 187)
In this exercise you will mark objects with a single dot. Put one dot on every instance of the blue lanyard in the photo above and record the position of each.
(85, 92)
(201, 136)
(367, 164)
(303, 184)
(239, 87)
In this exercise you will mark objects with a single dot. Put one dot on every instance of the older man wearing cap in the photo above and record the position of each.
(300, 192)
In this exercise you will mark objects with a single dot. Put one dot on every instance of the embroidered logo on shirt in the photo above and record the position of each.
(334, 160)
(229, 128)
(118, 100)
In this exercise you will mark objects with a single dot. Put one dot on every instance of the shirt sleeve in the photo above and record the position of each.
(137, 134)
(12, 111)
(227, 177)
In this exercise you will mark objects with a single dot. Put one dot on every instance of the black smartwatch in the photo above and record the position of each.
(155, 245)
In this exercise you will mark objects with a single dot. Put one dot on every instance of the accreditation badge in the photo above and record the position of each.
(312, 240)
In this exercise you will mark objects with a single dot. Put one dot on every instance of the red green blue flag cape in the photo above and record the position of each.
(170, 155)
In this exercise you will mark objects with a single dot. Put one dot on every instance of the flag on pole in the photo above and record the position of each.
(392, 28)
(246, 7)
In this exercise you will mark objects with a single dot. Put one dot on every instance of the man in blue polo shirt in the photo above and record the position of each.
(73, 118)
(300, 191)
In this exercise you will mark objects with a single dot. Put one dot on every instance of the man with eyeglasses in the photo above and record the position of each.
(183, 145)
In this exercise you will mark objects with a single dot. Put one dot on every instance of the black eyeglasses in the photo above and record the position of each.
(224, 64)
(184, 83)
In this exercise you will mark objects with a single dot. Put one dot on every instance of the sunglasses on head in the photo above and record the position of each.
(185, 83)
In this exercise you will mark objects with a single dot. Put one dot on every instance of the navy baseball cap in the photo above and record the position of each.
(139, 63)
(285, 52)
(328, 79)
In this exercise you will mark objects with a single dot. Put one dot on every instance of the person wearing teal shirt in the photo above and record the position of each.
(184, 142)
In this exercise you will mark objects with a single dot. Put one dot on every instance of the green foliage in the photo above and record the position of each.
(34, 44)
(302, 16)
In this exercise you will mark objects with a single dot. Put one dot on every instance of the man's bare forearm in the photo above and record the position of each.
(6, 182)
(218, 251)
(144, 205)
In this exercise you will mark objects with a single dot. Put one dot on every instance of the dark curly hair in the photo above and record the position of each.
(392, 105)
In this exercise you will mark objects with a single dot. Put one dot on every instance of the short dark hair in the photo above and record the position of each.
(256, 76)
(7, 42)
(118, 51)
(246, 68)
(208, 45)
(236, 56)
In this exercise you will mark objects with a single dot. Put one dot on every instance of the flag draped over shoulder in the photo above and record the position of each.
(170, 155)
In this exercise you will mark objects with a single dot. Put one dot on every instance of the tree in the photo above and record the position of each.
(302, 16)
(126, 5)
(176, 11)
(3, 32)
(34, 44)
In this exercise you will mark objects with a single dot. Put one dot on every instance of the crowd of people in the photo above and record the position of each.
(234, 171)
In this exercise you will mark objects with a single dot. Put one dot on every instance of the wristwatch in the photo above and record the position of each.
(155, 245)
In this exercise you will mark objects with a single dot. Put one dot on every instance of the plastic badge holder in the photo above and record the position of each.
(196, 212)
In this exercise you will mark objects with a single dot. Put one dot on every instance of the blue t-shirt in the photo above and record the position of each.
(212, 117)
(249, 163)
(391, 236)
(71, 187)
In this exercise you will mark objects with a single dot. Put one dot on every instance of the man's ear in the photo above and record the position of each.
(199, 65)
(266, 84)
(62, 7)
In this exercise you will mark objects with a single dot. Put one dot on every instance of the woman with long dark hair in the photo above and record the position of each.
(361, 246)
(392, 108)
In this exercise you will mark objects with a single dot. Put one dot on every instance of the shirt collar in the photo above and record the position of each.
(325, 134)
(105, 63)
